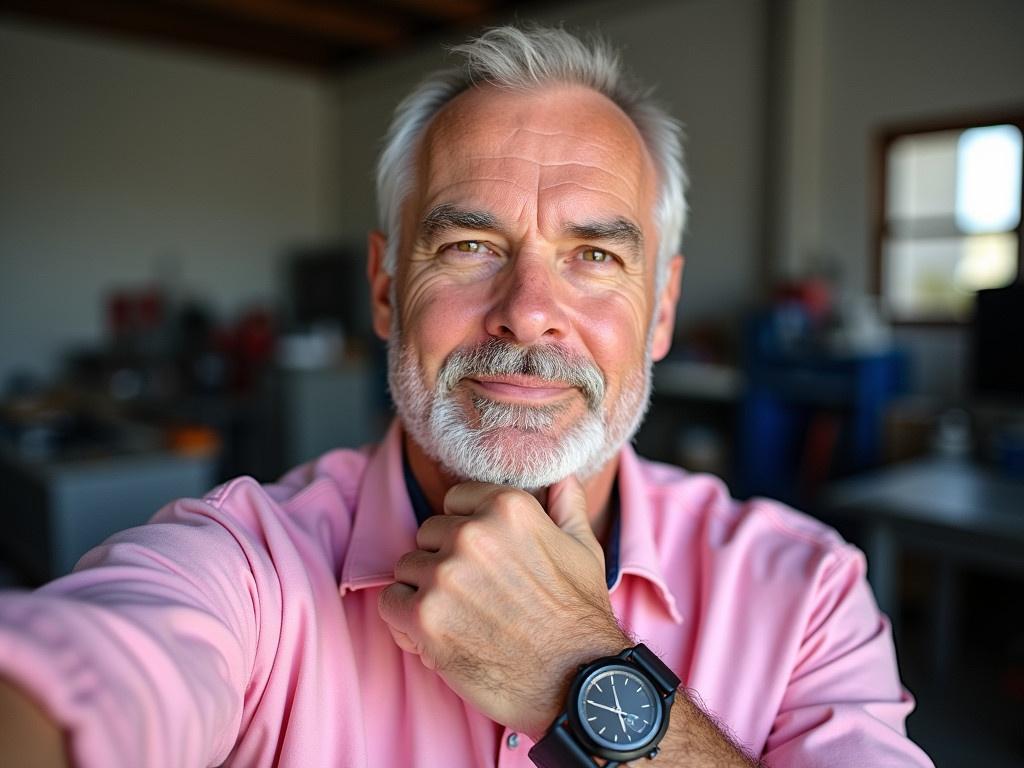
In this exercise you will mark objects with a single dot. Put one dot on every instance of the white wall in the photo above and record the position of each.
(118, 161)
(114, 156)
(705, 56)
(889, 62)
(859, 66)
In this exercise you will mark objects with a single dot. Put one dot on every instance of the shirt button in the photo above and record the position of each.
(512, 740)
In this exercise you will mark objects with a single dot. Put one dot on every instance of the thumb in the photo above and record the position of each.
(567, 507)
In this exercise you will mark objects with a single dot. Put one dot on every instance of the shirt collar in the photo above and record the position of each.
(384, 527)
(639, 554)
(385, 524)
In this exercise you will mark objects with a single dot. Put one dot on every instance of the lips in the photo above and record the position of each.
(517, 387)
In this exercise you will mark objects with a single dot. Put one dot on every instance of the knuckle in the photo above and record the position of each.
(446, 574)
(469, 536)
(508, 505)
(427, 613)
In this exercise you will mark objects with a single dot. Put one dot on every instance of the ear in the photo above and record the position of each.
(665, 311)
(380, 284)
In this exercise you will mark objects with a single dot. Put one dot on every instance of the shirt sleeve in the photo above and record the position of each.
(144, 653)
(844, 704)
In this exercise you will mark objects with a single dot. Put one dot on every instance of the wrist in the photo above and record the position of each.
(608, 643)
(617, 709)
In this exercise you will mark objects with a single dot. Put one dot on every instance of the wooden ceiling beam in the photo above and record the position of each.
(157, 22)
(333, 22)
(461, 11)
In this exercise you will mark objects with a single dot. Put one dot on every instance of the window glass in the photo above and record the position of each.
(952, 212)
(935, 278)
(922, 176)
(988, 179)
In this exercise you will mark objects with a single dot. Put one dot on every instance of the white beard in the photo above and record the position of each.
(514, 444)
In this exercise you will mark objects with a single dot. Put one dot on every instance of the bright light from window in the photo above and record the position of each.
(988, 179)
(988, 261)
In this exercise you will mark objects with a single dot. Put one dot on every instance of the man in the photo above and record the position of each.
(431, 600)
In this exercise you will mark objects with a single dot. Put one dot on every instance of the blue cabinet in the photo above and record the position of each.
(808, 415)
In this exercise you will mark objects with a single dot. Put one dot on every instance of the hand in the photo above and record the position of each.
(504, 601)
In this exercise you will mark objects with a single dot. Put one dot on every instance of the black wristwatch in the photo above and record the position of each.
(618, 710)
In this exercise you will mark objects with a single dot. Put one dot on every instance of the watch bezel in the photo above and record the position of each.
(578, 729)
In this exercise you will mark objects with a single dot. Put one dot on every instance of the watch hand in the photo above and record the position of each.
(618, 706)
(603, 706)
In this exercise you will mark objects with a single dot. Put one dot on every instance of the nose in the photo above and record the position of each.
(528, 308)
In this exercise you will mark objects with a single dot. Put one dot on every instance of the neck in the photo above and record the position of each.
(435, 480)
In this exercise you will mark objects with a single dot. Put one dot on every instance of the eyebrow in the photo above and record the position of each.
(446, 217)
(620, 231)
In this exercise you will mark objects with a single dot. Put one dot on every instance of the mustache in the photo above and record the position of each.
(549, 362)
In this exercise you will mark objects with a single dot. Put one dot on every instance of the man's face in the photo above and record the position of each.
(526, 319)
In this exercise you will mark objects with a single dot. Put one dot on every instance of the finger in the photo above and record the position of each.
(567, 507)
(466, 498)
(395, 604)
(437, 530)
(414, 568)
(404, 641)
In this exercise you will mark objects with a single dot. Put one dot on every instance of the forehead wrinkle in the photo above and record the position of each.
(578, 139)
(600, 191)
(493, 179)
(542, 164)
(631, 182)
(450, 195)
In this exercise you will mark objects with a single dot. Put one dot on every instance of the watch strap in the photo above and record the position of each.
(656, 669)
(559, 749)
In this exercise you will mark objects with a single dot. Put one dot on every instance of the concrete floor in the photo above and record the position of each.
(973, 714)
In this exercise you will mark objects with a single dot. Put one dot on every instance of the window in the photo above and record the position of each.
(949, 218)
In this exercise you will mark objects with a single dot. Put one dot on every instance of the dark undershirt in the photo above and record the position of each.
(422, 510)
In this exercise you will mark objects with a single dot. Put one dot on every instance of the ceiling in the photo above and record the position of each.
(318, 35)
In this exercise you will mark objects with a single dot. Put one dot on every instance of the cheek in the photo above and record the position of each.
(614, 331)
(436, 319)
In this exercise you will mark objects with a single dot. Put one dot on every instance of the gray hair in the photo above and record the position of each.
(522, 59)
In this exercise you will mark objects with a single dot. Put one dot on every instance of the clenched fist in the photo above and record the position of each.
(505, 600)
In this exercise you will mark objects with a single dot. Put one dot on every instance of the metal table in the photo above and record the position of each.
(955, 511)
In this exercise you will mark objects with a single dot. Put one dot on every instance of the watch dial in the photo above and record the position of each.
(619, 708)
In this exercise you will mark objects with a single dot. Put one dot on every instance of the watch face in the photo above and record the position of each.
(618, 708)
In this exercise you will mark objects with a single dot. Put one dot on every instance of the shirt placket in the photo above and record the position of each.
(515, 748)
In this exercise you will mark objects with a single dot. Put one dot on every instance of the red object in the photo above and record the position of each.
(813, 294)
(249, 347)
(130, 312)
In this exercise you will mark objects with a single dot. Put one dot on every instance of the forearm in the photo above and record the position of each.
(693, 739)
(28, 738)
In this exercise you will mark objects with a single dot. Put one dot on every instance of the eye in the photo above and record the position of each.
(466, 249)
(596, 255)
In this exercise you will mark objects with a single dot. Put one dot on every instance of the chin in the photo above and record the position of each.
(527, 457)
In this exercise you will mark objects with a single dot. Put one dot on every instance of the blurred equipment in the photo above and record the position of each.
(819, 380)
(998, 349)
(328, 289)
(73, 472)
(325, 408)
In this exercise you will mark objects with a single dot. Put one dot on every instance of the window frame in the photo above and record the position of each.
(884, 139)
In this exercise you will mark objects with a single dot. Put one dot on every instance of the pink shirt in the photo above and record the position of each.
(243, 628)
